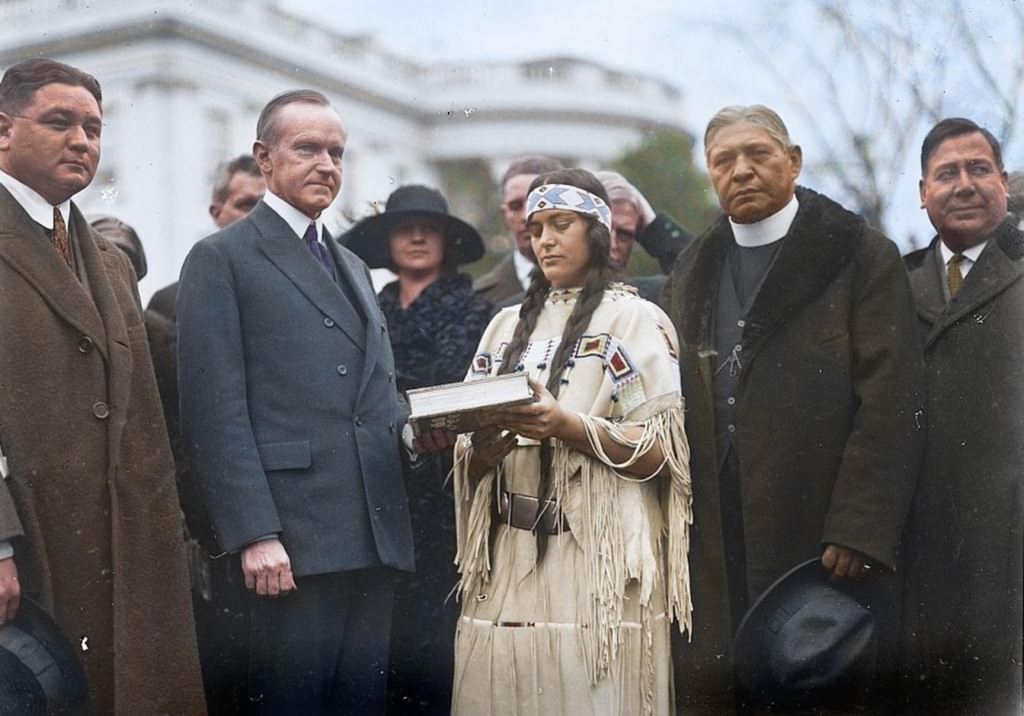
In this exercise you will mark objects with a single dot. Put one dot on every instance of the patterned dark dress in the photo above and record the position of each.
(433, 340)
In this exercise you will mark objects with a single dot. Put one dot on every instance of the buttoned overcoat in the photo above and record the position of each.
(963, 595)
(90, 504)
(827, 414)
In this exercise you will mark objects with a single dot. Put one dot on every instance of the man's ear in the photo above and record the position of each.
(261, 153)
(214, 210)
(6, 124)
(920, 190)
(796, 155)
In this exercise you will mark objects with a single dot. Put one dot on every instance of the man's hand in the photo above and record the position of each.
(10, 590)
(267, 569)
(846, 563)
(435, 441)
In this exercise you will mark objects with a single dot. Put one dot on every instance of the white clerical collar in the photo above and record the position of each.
(296, 220)
(767, 230)
(524, 268)
(38, 208)
(972, 253)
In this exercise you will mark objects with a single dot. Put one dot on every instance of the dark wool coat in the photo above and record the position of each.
(963, 595)
(91, 505)
(827, 415)
(500, 283)
(434, 341)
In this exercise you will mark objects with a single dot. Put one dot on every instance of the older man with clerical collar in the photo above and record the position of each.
(962, 601)
(89, 511)
(802, 374)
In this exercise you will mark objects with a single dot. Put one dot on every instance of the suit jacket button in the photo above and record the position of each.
(391, 427)
(85, 345)
(342, 370)
(359, 422)
(101, 410)
(329, 322)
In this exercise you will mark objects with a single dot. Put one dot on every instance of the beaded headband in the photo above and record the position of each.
(568, 198)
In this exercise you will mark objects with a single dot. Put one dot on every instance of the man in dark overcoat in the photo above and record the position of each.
(291, 419)
(89, 509)
(802, 376)
(965, 540)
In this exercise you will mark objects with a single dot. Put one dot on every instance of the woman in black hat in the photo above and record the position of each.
(435, 321)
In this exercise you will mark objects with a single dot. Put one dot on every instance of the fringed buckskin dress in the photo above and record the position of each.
(585, 631)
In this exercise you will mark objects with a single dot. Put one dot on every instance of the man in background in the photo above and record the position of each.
(511, 276)
(237, 187)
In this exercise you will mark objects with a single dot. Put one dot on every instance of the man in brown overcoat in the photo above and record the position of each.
(802, 376)
(89, 517)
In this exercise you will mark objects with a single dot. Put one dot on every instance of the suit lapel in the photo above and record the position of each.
(24, 246)
(279, 243)
(998, 266)
(352, 270)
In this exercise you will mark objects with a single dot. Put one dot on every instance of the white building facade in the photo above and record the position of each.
(183, 84)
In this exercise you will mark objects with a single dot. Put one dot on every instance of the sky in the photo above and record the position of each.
(681, 41)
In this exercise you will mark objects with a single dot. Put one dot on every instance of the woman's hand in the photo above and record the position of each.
(544, 418)
(490, 446)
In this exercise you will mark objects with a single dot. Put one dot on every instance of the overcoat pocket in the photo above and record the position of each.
(293, 455)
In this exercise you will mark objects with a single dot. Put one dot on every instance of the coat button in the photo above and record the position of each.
(359, 422)
(101, 410)
(329, 322)
(391, 427)
(342, 370)
(391, 376)
(85, 345)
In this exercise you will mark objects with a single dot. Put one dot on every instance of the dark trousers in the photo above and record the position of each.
(324, 648)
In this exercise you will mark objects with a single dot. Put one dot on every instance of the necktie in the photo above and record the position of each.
(59, 237)
(318, 250)
(953, 275)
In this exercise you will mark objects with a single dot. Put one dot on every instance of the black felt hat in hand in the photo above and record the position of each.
(808, 640)
(39, 671)
(369, 238)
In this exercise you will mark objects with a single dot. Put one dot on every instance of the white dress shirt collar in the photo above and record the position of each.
(767, 230)
(296, 220)
(38, 208)
(970, 256)
(524, 267)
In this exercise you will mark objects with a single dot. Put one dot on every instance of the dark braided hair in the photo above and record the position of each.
(599, 274)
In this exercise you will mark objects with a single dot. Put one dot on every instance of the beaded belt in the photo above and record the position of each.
(520, 511)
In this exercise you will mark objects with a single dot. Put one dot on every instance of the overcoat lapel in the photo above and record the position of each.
(25, 246)
(279, 243)
(96, 259)
(819, 244)
(926, 283)
(998, 266)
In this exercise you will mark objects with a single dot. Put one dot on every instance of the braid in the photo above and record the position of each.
(529, 312)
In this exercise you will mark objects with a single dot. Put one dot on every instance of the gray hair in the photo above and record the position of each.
(619, 189)
(532, 164)
(764, 117)
(1015, 188)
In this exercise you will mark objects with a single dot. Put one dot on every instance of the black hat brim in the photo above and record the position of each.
(369, 238)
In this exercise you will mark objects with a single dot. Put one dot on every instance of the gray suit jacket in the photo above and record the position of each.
(288, 403)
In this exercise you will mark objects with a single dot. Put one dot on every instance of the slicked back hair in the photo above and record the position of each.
(956, 127)
(243, 163)
(21, 82)
(530, 164)
(758, 114)
(267, 130)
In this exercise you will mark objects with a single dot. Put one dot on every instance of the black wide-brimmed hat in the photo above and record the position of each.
(39, 672)
(369, 238)
(808, 639)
